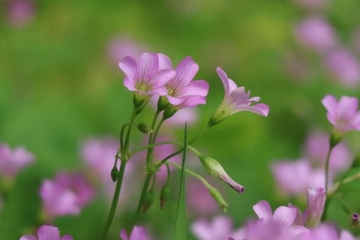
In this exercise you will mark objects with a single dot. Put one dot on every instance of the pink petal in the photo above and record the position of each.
(28, 237)
(330, 103)
(224, 80)
(232, 85)
(285, 215)
(138, 233)
(148, 65)
(263, 210)
(129, 67)
(123, 235)
(195, 88)
(160, 79)
(46, 232)
(346, 108)
(129, 84)
(261, 109)
(164, 62)
(186, 71)
(67, 237)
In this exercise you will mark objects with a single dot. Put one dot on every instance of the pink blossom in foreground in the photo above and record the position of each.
(235, 100)
(144, 76)
(12, 161)
(138, 233)
(343, 66)
(181, 88)
(67, 194)
(120, 47)
(316, 198)
(324, 231)
(316, 148)
(316, 33)
(285, 172)
(20, 12)
(342, 114)
(219, 228)
(46, 232)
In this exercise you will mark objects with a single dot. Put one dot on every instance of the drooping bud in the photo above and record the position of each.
(316, 198)
(148, 201)
(164, 195)
(218, 198)
(214, 168)
(114, 173)
(144, 128)
(354, 221)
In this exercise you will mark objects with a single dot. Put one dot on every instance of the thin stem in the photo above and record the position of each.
(151, 139)
(127, 139)
(122, 134)
(191, 173)
(346, 180)
(327, 168)
(115, 199)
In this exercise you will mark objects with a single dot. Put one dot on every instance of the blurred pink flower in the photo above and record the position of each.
(343, 66)
(316, 33)
(120, 47)
(20, 12)
(46, 232)
(323, 231)
(67, 194)
(138, 233)
(317, 146)
(235, 100)
(199, 200)
(342, 114)
(12, 161)
(181, 89)
(144, 76)
(306, 176)
(220, 228)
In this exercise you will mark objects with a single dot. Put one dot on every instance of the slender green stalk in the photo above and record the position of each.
(327, 168)
(191, 173)
(115, 199)
(127, 139)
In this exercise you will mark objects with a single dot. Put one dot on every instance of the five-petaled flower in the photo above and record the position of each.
(235, 100)
(342, 114)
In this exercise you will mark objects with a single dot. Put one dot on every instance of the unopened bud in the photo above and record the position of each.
(354, 220)
(164, 195)
(148, 201)
(114, 173)
(144, 128)
(218, 198)
(214, 168)
(316, 198)
(162, 103)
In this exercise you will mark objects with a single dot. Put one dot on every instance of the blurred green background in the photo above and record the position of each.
(59, 86)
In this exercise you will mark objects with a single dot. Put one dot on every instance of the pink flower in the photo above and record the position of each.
(342, 114)
(343, 66)
(138, 233)
(46, 232)
(324, 231)
(316, 33)
(181, 89)
(20, 12)
(219, 228)
(235, 100)
(67, 194)
(144, 77)
(315, 206)
(12, 161)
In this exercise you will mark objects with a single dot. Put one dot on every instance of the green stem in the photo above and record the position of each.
(191, 173)
(127, 139)
(327, 168)
(115, 200)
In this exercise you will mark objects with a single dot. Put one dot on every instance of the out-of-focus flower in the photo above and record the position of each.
(67, 194)
(120, 47)
(323, 231)
(144, 77)
(316, 148)
(219, 228)
(284, 215)
(46, 232)
(284, 172)
(316, 33)
(235, 100)
(343, 66)
(138, 233)
(315, 206)
(12, 161)
(20, 12)
(342, 114)
(181, 89)
(345, 235)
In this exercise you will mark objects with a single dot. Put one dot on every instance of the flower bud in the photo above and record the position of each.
(144, 128)
(315, 206)
(354, 221)
(138, 100)
(114, 173)
(218, 198)
(162, 103)
(149, 200)
(169, 112)
(214, 168)
(164, 195)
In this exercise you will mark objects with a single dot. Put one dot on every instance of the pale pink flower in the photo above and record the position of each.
(323, 231)
(138, 233)
(144, 77)
(181, 89)
(342, 114)
(67, 194)
(235, 100)
(316, 33)
(316, 198)
(220, 228)
(12, 161)
(343, 66)
(46, 232)
(20, 12)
